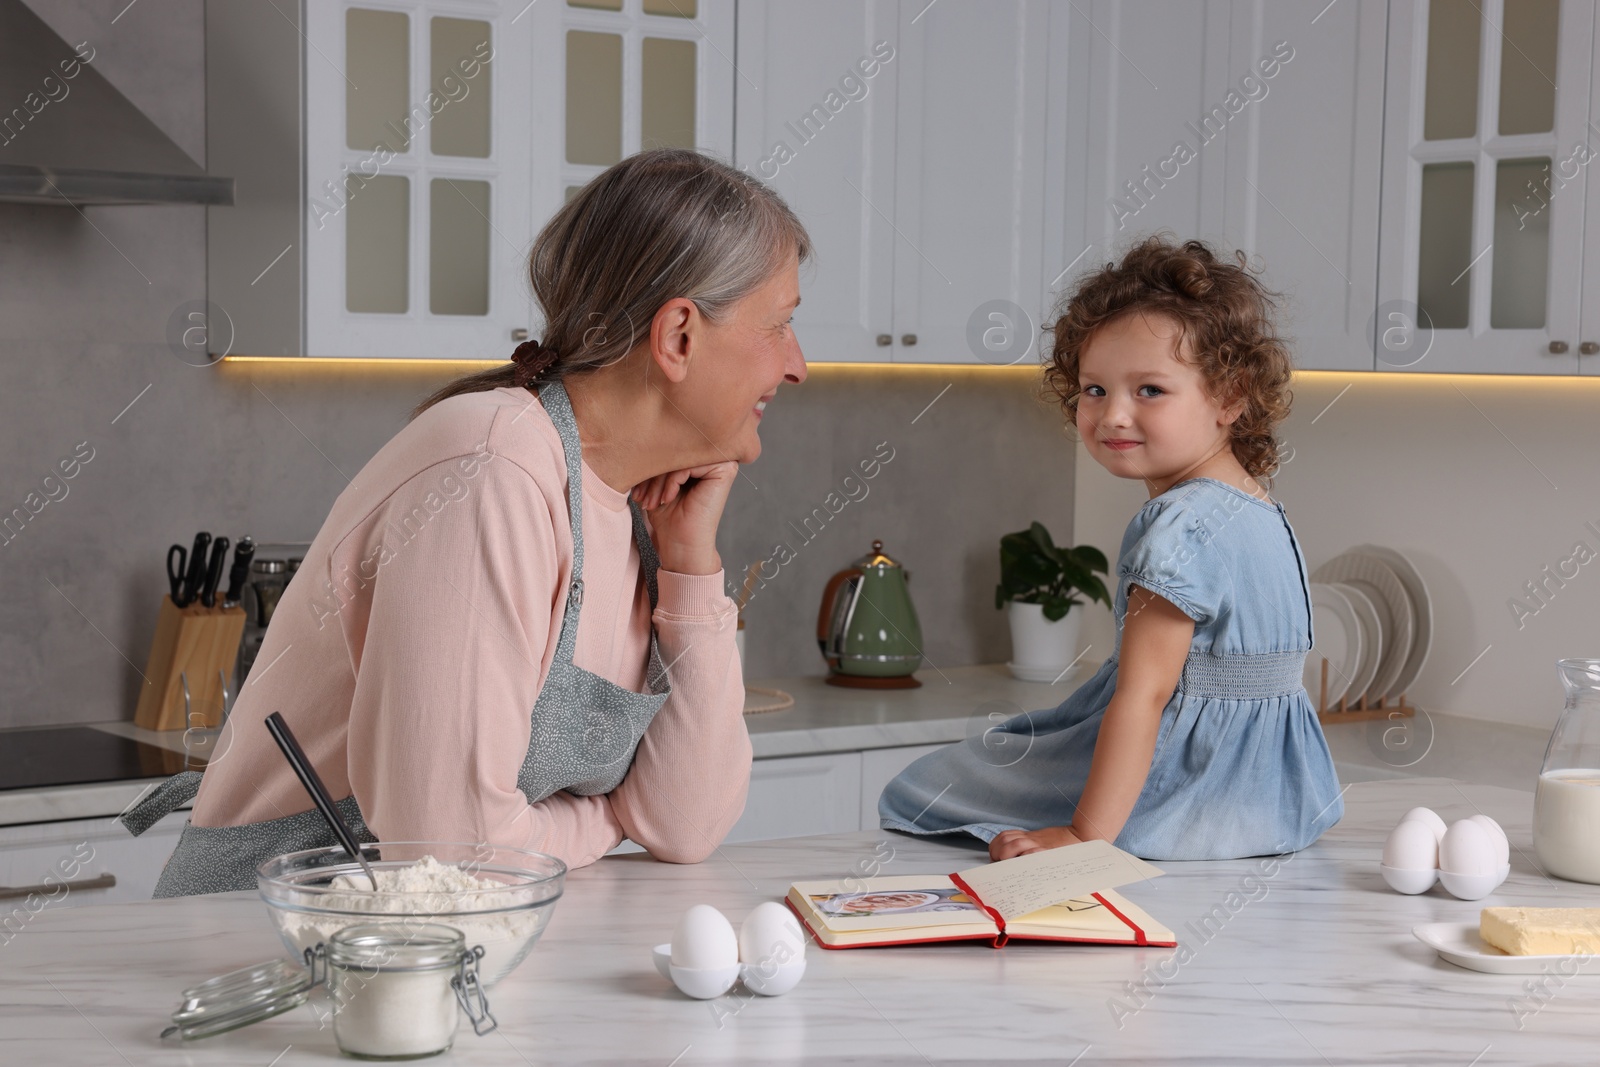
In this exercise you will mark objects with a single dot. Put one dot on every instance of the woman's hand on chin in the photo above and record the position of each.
(684, 517)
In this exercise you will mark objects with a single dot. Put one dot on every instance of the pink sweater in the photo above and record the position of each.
(409, 649)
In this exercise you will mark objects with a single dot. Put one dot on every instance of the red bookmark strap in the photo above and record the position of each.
(1138, 934)
(994, 916)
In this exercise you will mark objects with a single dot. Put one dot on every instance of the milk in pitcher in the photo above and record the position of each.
(1566, 824)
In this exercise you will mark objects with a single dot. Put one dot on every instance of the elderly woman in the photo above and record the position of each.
(488, 640)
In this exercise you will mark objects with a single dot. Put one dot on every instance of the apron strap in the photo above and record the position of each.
(558, 405)
(160, 802)
(648, 560)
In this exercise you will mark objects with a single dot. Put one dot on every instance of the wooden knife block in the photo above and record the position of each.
(196, 641)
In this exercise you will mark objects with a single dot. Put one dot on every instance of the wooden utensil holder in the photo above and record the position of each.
(196, 642)
(1360, 711)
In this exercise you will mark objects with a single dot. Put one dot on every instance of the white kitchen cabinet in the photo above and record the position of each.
(970, 145)
(1141, 80)
(1488, 116)
(397, 157)
(910, 139)
(627, 75)
(816, 121)
(800, 795)
(86, 851)
(1304, 161)
(878, 768)
(1251, 124)
(416, 158)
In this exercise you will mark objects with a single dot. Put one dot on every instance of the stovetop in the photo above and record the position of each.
(80, 755)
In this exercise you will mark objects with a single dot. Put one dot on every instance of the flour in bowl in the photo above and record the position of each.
(433, 892)
(427, 875)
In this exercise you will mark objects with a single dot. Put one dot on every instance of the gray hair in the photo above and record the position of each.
(662, 224)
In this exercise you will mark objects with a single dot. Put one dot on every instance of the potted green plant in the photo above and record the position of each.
(1039, 584)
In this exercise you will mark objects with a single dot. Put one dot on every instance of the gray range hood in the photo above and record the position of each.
(68, 137)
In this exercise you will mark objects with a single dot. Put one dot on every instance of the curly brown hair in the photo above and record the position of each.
(1225, 313)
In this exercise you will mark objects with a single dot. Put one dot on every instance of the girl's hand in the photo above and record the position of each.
(1008, 844)
(684, 518)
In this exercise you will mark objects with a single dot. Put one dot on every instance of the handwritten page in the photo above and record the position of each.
(1027, 883)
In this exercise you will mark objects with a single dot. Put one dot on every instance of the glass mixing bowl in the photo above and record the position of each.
(308, 906)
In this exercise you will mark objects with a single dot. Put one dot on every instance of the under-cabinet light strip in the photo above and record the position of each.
(465, 365)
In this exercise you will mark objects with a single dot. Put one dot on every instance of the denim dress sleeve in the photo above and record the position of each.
(1167, 556)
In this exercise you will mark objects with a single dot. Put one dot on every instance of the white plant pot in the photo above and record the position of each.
(1040, 647)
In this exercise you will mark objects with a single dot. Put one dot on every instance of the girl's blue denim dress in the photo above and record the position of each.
(1241, 767)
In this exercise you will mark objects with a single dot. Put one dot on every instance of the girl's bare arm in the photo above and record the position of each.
(1155, 643)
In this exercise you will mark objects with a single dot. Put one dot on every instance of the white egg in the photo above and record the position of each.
(1429, 816)
(1498, 834)
(1469, 848)
(770, 935)
(1411, 846)
(704, 939)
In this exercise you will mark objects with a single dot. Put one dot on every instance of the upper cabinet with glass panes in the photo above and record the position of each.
(1487, 136)
(393, 216)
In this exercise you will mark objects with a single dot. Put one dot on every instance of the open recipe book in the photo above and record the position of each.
(1059, 894)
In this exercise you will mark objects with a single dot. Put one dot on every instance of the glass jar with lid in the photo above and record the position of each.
(397, 990)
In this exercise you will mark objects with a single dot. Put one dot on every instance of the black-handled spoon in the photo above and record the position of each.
(319, 793)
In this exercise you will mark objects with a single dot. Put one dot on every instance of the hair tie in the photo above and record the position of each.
(532, 360)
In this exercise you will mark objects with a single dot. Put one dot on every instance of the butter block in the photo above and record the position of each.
(1541, 931)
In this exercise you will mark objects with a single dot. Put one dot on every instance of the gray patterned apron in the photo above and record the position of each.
(585, 731)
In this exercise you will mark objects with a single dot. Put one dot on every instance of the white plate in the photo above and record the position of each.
(1043, 674)
(1394, 608)
(1372, 638)
(1338, 638)
(1460, 944)
(1422, 605)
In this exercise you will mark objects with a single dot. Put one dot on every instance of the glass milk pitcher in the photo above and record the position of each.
(1566, 803)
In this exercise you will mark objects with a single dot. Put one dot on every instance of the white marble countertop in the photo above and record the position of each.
(1312, 965)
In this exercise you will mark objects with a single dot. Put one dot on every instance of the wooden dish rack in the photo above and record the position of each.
(1360, 711)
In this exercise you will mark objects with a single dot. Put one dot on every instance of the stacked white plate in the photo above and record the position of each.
(1373, 622)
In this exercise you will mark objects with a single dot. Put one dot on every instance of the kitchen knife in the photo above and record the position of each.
(197, 568)
(177, 560)
(240, 572)
(219, 556)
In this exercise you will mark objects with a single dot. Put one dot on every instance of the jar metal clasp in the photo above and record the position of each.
(470, 993)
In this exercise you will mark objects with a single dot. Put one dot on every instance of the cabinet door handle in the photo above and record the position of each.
(908, 339)
(885, 340)
(99, 881)
(1589, 348)
(1558, 348)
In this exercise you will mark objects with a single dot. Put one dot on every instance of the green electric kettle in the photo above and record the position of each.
(867, 627)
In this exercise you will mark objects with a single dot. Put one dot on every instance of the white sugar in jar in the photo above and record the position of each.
(391, 983)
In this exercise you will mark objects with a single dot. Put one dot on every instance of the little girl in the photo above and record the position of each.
(1195, 739)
